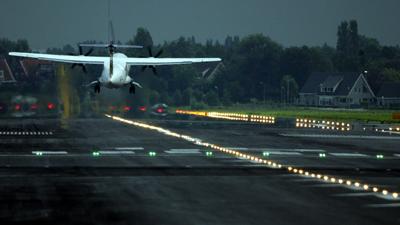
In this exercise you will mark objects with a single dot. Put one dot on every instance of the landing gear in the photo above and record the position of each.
(132, 89)
(97, 88)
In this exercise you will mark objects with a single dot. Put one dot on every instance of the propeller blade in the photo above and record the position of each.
(150, 51)
(83, 68)
(112, 31)
(159, 53)
(153, 68)
(89, 52)
(80, 50)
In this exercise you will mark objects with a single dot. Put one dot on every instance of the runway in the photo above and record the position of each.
(101, 171)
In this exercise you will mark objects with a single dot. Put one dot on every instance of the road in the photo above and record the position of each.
(100, 171)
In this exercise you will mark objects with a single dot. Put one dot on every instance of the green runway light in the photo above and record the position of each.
(322, 155)
(379, 156)
(96, 153)
(152, 153)
(209, 153)
(266, 154)
(38, 153)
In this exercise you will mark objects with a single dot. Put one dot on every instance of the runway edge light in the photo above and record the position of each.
(270, 163)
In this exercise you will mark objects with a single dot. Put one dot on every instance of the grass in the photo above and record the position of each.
(312, 113)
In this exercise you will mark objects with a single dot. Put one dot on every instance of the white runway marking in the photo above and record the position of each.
(128, 148)
(327, 185)
(50, 152)
(310, 150)
(341, 136)
(183, 151)
(397, 155)
(355, 194)
(116, 152)
(345, 154)
(389, 205)
(284, 153)
(237, 148)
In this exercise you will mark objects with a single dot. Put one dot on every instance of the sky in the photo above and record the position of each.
(54, 23)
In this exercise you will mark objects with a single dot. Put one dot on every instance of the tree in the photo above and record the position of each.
(187, 96)
(348, 47)
(342, 38)
(177, 98)
(142, 37)
(212, 98)
(289, 89)
(390, 75)
(154, 97)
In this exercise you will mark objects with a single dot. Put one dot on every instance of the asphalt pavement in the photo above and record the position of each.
(100, 171)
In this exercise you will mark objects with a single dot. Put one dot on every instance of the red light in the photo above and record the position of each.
(17, 107)
(142, 108)
(160, 110)
(34, 106)
(127, 108)
(50, 106)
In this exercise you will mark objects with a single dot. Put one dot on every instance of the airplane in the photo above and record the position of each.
(116, 65)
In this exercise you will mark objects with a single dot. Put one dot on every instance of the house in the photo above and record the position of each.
(389, 95)
(210, 73)
(332, 89)
(6, 75)
(34, 68)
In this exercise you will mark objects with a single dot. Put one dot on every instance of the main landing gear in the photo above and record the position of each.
(97, 88)
(132, 89)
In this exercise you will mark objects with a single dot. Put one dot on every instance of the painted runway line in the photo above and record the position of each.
(346, 154)
(389, 205)
(116, 152)
(340, 136)
(49, 152)
(128, 148)
(183, 151)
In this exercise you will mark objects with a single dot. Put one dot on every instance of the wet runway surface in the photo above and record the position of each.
(100, 171)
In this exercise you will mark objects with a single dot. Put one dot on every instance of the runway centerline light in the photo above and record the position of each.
(270, 163)
(152, 154)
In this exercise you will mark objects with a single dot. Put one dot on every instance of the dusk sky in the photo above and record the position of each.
(53, 23)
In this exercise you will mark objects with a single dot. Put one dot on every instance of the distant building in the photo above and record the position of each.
(210, 72)
(6, 75)
(336, 90)
(389, 95)
(33, 68)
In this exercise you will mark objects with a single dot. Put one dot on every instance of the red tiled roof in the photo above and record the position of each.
(6, 71)
(30, 66)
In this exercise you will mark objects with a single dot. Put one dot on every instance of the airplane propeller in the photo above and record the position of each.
(81, 53)
(153, 68)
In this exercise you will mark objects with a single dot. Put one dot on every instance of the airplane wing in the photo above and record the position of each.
(63, 58)
(167, 61)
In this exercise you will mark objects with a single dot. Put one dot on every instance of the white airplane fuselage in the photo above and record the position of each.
(115, 72)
